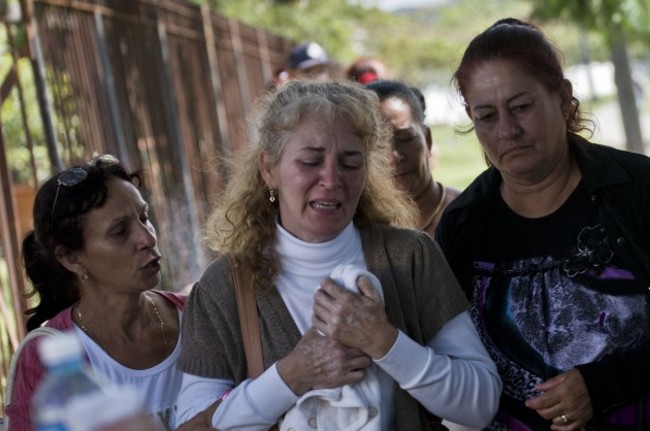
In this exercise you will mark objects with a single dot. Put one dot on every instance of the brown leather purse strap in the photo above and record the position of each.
(248, 320)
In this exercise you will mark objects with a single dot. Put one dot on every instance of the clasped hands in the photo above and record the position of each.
(348, 330)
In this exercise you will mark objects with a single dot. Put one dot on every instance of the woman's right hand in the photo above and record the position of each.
(319, 362)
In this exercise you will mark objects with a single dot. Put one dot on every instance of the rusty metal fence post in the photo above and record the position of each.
(164, 84)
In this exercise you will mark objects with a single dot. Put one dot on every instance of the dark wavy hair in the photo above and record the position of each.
(57, 287)
(524, 45)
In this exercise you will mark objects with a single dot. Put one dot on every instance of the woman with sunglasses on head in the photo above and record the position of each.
(93, 261)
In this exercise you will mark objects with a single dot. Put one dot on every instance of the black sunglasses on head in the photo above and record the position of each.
(77, 175)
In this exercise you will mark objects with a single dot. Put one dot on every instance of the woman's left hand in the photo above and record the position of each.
(565, 401)
(354, 319)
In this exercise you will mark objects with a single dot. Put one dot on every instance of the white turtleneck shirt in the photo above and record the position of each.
(256, 404)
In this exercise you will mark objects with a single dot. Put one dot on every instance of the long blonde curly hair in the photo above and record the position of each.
(243, 223)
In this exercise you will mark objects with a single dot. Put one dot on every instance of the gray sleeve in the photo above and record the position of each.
(211, 337)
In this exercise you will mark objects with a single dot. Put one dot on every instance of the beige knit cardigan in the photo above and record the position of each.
(420, 292)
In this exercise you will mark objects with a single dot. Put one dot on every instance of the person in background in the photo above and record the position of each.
(433, 152)
(403, 108)
(312, 193)
(367, 69)
(551, 243)
(309, 61)
(449, 193)
(93, 261)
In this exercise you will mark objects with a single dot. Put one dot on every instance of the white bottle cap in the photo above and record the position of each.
(55, 349)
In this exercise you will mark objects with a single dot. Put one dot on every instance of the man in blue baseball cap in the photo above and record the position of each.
(309, 60)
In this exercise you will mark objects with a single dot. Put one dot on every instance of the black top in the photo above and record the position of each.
(603, 227)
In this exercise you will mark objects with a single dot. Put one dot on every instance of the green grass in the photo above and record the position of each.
(460, 158)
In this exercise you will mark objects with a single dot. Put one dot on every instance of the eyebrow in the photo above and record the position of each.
(510, 99)
(322, 150)
(144, 207)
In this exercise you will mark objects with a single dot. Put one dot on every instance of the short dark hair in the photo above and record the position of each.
(387, 88)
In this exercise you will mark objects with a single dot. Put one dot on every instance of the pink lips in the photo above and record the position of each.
(153, 264)
(402, 173)
(515, 149)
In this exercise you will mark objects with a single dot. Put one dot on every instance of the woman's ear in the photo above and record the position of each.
(267, 170)
(566, 97)
(70, 261)
(427, 136)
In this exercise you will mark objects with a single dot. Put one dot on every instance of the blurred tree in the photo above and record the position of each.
(24, 169)
(330, 23)
(421, 46)
(617, 21)
(347, 31)
(424, 46)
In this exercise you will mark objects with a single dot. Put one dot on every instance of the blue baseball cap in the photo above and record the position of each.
(307, 55)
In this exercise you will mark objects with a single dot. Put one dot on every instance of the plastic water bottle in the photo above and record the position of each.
(119, 408)
(67, 378)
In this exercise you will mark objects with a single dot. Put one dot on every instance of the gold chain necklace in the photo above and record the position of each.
(443, 192)
(155, 309)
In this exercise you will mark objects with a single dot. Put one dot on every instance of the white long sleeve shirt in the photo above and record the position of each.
(452, 376)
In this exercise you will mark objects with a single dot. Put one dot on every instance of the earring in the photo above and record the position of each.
(84, 276)
(272, 195)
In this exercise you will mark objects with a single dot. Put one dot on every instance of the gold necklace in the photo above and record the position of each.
(155, 309)
(441, 204)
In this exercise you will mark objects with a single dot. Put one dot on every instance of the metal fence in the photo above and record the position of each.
(164, 85)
